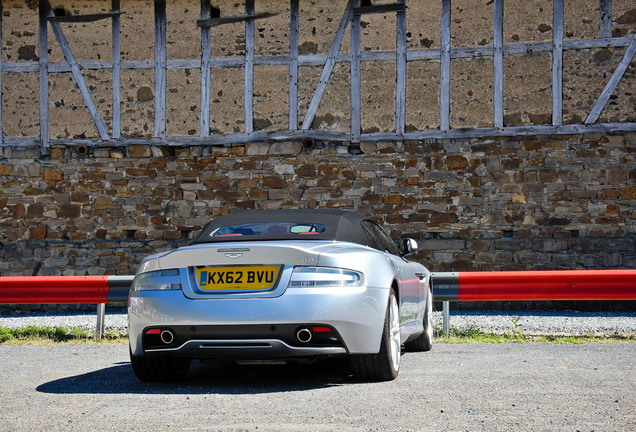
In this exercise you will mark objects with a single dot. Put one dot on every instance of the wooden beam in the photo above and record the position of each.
(612, 83)
(376, 9)
(160, 68)
(445, 69)
(293, 64)
(249, 68)
(605, 9)
(322, 135)
(43, 52)
(213, 22)
(498, 63)
(320, 59)
(206, 73)
(79, 78)
(356, 116)
(116, 26)
(557, 63)
(400, 84)
(330, 62)
(83, 18)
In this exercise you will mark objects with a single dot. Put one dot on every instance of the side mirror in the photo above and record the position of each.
(409, 247)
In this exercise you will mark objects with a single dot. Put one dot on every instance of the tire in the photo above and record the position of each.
(159, 368)
(424, 342)
(385, 365)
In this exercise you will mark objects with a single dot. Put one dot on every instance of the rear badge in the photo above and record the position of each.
(233, 253)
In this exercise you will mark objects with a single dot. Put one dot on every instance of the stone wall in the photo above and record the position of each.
(561, 202)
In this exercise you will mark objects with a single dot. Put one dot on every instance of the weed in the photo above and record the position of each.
(5, 334)
(39, 334)
(516, 330)
(473, 335)
(470, 332)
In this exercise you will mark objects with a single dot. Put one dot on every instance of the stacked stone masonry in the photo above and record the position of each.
(559, 202)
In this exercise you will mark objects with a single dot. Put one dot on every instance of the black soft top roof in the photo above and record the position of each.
(340, 225)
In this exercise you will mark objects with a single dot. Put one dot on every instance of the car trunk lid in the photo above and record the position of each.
(239, 269)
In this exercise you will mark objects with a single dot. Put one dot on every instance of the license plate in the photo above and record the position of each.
(251, 278)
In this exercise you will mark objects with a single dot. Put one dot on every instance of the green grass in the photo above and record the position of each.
(38, 335)
(474, 335)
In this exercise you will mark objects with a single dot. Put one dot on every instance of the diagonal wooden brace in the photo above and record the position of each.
(77, 74)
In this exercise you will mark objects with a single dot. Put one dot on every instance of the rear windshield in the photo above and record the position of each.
(267, 228)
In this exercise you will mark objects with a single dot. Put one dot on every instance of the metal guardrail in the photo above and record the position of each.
(535, 285)
(532, 285)
(67, 290)
(64, 289)
(459, 286)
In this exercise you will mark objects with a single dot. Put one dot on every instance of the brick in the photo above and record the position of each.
(394, 200)
(141, 172)
(285, 148)
(6, 169)
(628, 192)
(35, 211)
(104, 203)
(443, 218)
(52, 174)
(548, 175)
(396, 219)
(372, 199)
(139, 151)
(256, 149)
(258, 194)
(307, 171)
(512, 164)
(612, 259)
(617, 175)
(442, 245)
(69, 211)
(456, 162)
(273, 182)
(92, 176)
(230, 196)
(278, 194)
(550, 245)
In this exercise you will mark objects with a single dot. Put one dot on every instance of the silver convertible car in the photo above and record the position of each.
(281, 285)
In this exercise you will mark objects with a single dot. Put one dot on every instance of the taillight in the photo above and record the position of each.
(319, 277)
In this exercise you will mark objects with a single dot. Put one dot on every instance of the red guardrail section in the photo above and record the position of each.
(461, 286)
(547, 285)
(54, 289)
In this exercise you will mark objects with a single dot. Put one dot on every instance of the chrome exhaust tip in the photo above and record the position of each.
(167, 337)
(304, 335)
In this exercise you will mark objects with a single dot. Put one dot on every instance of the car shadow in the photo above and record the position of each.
(207, 378)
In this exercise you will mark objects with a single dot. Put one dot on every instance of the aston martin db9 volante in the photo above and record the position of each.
(281, 285)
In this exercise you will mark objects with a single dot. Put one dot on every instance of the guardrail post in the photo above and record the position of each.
(445, 317)
(99, 330)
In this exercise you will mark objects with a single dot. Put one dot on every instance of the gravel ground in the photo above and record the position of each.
(527, 322)
(480, 387)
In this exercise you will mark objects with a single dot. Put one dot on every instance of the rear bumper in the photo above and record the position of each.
(243, 349)
(242, 341)
(356, 315)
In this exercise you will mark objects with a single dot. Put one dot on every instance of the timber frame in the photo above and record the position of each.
(302, 130)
